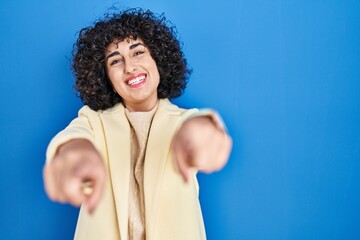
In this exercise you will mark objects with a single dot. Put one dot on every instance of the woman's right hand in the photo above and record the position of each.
(76, 175)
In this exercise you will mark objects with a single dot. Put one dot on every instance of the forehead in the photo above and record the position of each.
(123, 45)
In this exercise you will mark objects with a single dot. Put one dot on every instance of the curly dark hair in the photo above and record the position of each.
(159, 36)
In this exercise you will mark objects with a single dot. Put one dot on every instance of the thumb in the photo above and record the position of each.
(181, 161)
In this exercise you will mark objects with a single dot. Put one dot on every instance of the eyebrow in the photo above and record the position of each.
(118, 53)
(135, 45)
(112, 55)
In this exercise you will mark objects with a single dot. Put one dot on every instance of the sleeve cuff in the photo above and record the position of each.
(214, 115)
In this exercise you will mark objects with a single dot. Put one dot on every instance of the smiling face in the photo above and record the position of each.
(133, 73)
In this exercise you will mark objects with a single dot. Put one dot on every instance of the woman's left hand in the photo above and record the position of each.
(200, 144)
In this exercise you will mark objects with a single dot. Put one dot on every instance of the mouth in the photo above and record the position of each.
(136, 81)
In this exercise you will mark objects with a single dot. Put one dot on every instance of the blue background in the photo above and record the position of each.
(284, 74)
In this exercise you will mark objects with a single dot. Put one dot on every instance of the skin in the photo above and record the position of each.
(198, 144)
(75, 163)
(129, 59)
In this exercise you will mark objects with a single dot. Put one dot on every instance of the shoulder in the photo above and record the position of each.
(88, 112)
(172, 109)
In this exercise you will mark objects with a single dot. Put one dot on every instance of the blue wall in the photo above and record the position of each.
(284, 74)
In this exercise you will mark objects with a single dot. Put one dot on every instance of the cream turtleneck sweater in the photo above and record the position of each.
(140, 126)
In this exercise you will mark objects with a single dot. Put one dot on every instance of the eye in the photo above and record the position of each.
(138, 53)
(116, 61)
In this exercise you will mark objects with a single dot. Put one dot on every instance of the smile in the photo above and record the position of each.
(136, 81)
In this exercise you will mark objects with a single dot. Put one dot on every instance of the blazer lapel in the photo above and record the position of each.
(163, 127)
(117, 132)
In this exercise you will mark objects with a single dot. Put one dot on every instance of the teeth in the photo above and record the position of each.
(136, 80)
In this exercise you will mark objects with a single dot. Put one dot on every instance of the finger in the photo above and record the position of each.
(219, 155)
(60, 179)
(70, 183)
(94, 190)
(49, 183)
(87, 188)
(174, 157)
(92, 184)
(72, 191)
(182, 159)
(209, 165)
(224, 152)
(57, 169)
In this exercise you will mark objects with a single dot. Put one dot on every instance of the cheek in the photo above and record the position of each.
(115, 77)
(156, 73)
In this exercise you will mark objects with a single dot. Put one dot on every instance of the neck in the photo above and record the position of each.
(141, 107)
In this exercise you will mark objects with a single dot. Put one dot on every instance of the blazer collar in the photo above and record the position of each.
(117, 132)
(117, 136)
(162, 130)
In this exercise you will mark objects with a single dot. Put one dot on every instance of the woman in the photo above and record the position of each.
(130, 158)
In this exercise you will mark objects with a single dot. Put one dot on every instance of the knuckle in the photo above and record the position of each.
(69, 190)
(52, 196)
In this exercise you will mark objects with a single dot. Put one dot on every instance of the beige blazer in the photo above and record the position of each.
(172, 207)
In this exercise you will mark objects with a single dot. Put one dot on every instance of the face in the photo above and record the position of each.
(133, 74)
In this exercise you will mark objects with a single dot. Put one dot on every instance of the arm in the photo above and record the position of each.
(201, 143)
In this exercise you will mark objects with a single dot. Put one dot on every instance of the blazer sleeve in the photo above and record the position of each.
(80, 127)
(206, 112)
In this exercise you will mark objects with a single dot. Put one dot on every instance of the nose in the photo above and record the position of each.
(130, 66)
